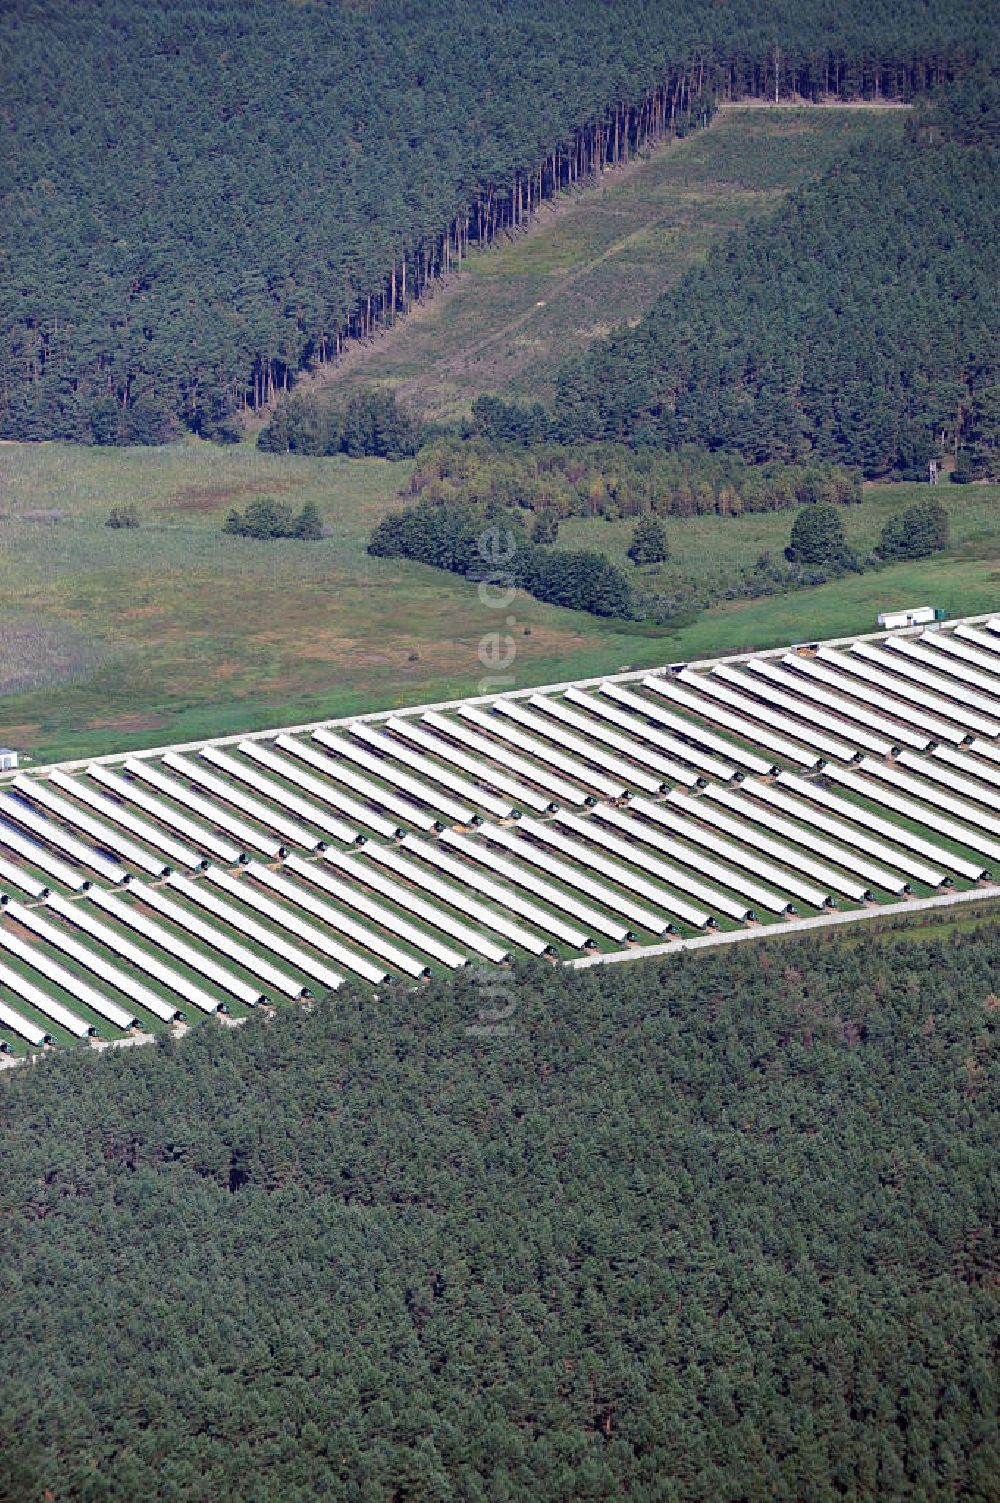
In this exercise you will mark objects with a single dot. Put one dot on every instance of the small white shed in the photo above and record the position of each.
(8, 759)
(918, 615)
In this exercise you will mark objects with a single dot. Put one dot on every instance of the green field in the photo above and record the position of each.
(596, 259)
(112, 640)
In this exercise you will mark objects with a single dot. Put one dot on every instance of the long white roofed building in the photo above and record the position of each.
(692, 805)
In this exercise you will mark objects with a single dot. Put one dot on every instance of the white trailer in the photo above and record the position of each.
(915, 615)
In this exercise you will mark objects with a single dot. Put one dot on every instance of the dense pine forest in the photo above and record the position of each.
(202, 199)
(859, 326)
(714, 1228)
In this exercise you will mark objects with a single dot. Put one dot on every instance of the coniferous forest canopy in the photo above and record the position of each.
(861, 325)
(202, 198)
(711, 1228)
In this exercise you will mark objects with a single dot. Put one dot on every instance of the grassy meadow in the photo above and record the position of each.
(111, 640)
(121, 639)
(595, 259)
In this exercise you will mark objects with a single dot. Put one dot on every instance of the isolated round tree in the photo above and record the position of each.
(817, 536)
(649, 542)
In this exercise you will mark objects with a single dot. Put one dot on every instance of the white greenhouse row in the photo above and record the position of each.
(140, 890)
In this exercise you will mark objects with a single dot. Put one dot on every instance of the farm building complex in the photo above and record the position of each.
(698, 804)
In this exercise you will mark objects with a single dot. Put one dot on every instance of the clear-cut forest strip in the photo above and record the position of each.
(590, 261)
(238, 196)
